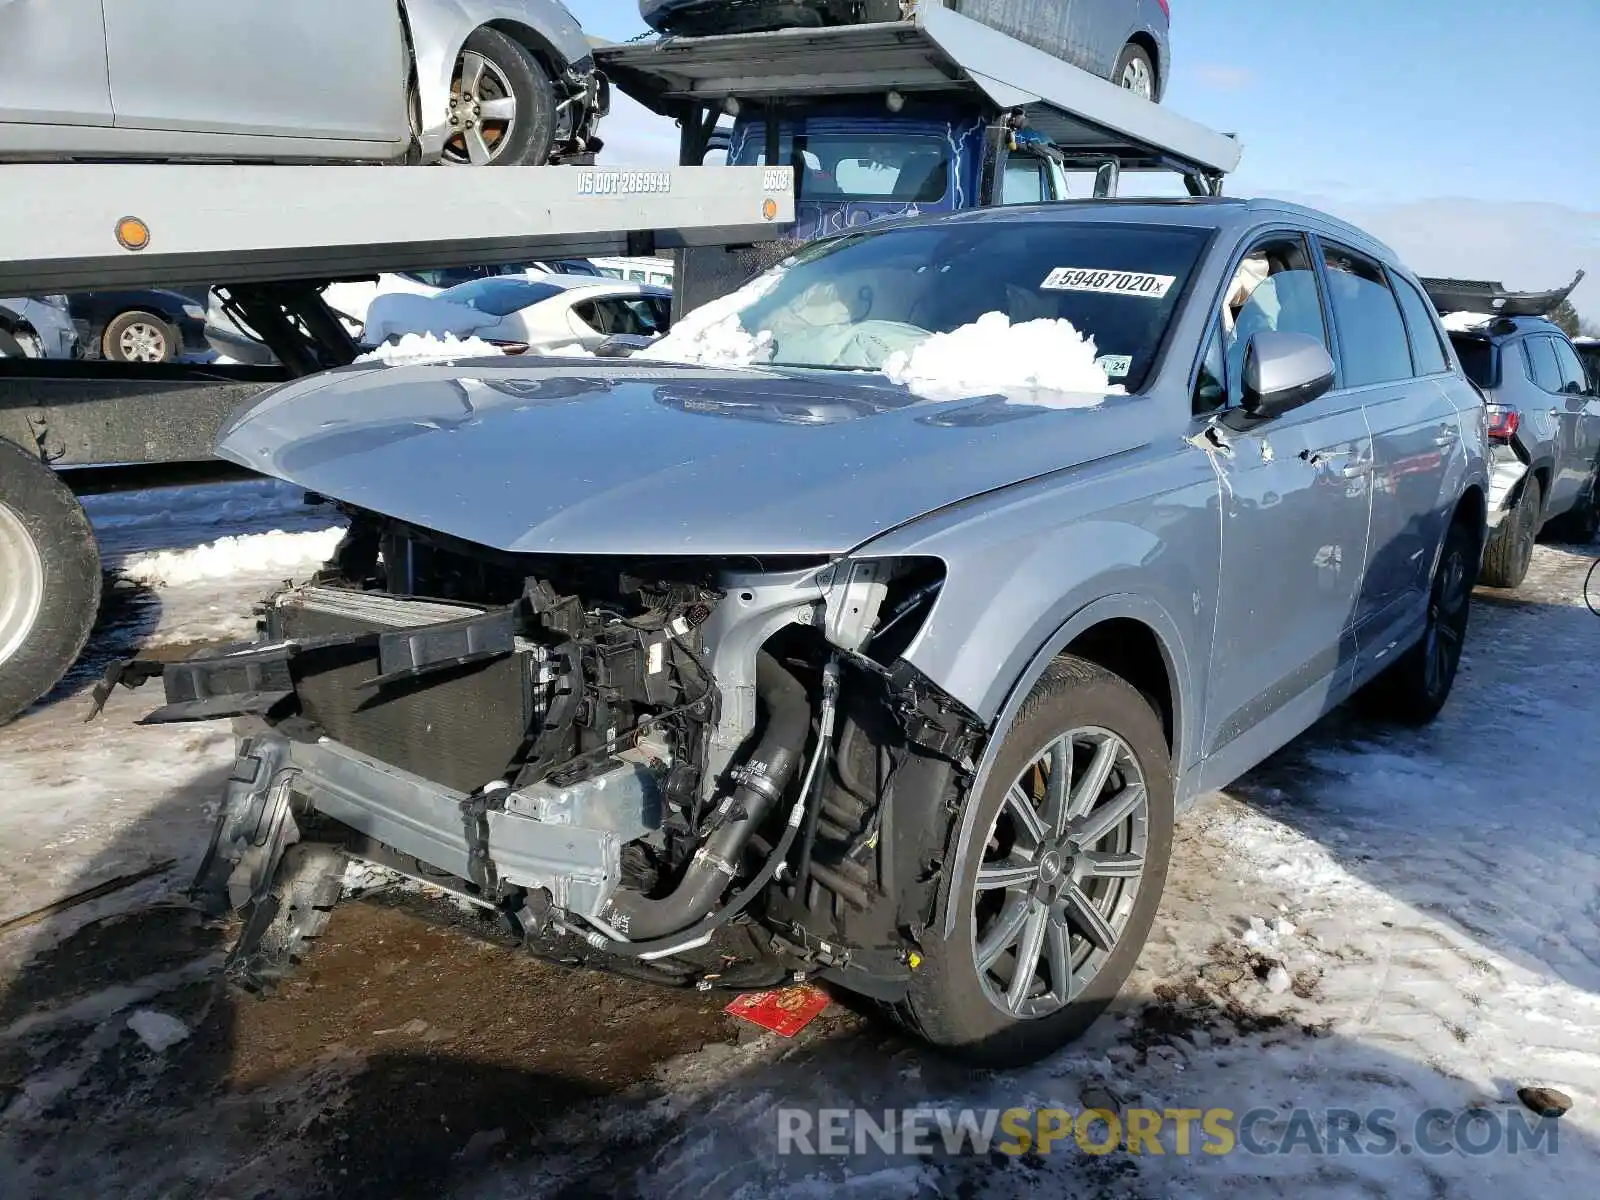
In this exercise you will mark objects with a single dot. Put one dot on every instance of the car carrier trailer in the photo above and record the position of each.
(1005, 95)
(269, 237)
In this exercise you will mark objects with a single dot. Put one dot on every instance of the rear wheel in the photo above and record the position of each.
(502, 105)
(1063, 881)
(49, 579)
(1415, 688)
(1135, 72)
(138, 337)
(1510, 550)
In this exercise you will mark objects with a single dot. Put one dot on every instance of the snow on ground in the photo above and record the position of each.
(426, 347)
(1431, 899)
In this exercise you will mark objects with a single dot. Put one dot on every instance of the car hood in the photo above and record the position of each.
(571, 456)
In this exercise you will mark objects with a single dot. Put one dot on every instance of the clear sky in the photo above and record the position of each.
(1434, 122)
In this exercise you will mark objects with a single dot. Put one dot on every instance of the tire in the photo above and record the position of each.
(952, 1002)
(138, 336)
(489, 66)
(1413, 691)
(1136, 73)
(281, 932)
(1510, 550)
(1579, 525)
(49, 579)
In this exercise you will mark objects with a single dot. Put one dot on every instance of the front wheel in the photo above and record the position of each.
(1135, 72)
(49, 579)
(502, 105)
(1063, 881)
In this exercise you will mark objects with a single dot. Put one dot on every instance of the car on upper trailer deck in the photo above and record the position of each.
(895, 605)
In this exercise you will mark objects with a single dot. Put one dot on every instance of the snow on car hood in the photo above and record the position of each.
(570, 456)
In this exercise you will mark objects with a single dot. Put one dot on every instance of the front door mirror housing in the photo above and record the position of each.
(1282, 372)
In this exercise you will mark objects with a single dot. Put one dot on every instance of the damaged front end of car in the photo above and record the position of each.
(719, 769)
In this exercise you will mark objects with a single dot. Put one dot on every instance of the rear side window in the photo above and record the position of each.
(1479, 360)
(1373, 347)
(1542, 365)
(1426, 350)
(1572, 376)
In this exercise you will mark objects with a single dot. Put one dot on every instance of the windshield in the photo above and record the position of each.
(501, 296)
(978, 303)
(911, 169)
(1477, 359)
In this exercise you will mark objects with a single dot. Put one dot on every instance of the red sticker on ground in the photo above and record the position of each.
(786, 1011)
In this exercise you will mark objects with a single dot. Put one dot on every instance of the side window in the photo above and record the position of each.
(594, 316)
(1372, 336)
(1274, 289)
(1024, 181)
(1426, 350)
(1542, 366)
(1211, 385)
(1573, 381)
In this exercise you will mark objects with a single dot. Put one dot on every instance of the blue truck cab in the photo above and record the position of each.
(856, 162)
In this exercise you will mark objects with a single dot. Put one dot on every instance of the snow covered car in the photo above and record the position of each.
(1125, 41)
(485, 82)
(518, 313)
(1061, 517)
(1544, 429)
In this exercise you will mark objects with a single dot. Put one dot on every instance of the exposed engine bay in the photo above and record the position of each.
(719, 770)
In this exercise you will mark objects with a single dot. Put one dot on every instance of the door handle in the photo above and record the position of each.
(1446, 438)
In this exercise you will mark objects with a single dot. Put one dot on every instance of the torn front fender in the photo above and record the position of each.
(1506, 473)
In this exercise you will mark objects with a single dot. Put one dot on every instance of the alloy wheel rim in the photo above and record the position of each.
(142, 342)
(1063, 864)
(1136, 78)
(482, 113)
(21, 583)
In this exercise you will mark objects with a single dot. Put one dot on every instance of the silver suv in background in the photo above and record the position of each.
(1544, 430)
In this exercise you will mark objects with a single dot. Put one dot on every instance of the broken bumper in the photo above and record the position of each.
(442, 829)
(1506, 473)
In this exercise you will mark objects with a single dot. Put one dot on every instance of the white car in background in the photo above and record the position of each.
(532, 312)
(37, 327)
(637, 270)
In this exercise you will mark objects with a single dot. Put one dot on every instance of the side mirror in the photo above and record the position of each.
(1283, 371)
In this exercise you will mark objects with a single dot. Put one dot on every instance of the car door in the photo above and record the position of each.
(53, 63)
(1579, 413)
(1390, 361)
(1296, 506)
(288, 68)
(1549, 419)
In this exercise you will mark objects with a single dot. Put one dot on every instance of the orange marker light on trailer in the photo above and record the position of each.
(769, 209)
(132, 233)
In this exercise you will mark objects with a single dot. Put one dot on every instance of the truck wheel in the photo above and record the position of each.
(1064, 878)
(502, 105)
(49, 579)
(138, 337)
(1510, 549)
(1415, 688)
(1135, 72)
(281, 931)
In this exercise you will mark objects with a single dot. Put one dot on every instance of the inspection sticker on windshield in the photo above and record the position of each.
(623, 183)
(1111, 283)
(1116, 366)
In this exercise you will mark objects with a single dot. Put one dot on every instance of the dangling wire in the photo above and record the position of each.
(1591, 599)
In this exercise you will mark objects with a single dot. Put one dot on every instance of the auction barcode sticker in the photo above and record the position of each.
(1114, 283)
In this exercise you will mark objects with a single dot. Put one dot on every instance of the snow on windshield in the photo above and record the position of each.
(1045, 362)
(713, 334)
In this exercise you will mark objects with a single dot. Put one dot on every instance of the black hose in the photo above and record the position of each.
(761, 784)
(808, 839)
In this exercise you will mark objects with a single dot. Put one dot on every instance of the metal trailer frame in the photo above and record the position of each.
(271, 236)
(937, 52)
